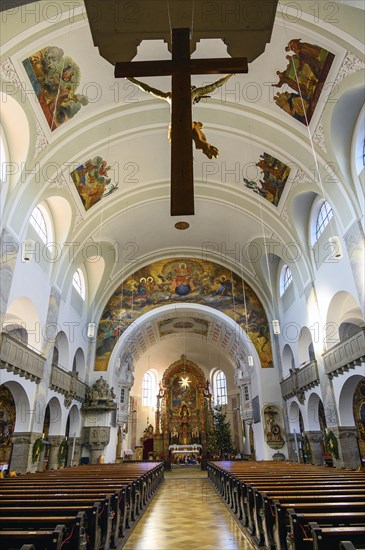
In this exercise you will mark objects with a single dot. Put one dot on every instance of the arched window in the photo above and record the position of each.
(220, 388)
(286, 278)
(39, 222)
(148, 390)
(78, 282)
(325, 215)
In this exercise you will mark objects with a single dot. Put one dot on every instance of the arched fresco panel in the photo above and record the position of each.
(182, 280)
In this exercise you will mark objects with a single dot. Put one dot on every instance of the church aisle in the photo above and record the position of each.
(187, 513)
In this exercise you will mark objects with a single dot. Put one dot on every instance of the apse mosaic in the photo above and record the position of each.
(55, 78)
(305, 74)
(183, 280)
(274, 177)
(92, 182)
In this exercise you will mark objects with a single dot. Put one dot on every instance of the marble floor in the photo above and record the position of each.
(187, 514)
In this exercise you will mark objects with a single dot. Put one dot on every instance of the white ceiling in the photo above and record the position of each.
(128, 129)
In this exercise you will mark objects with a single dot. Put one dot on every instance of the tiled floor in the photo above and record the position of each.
(187, 514)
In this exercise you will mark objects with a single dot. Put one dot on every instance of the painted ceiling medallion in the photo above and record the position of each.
(182, 225)
(185, 382)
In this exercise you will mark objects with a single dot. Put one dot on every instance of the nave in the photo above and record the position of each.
(186, 513)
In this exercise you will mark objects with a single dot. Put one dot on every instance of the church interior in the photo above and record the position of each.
(239, 301)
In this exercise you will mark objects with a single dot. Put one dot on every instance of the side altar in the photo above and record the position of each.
(184, 411)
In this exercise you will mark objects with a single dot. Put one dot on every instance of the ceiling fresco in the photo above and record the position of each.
(182, 280)
(306, 72)
(55, 78)
(273, 180)
(92, 182)
(188, 325)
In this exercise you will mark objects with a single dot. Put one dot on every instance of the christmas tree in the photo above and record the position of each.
(220, 439)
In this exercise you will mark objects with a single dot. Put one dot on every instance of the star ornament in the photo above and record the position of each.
(185, 382)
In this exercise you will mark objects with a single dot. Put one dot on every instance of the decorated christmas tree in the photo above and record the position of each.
(220, 439)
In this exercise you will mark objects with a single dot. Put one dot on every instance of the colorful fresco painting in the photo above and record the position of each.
(182, 280)
(92, 182)
(305, 73)
(190, 325)
(272, 183)
(55, 79)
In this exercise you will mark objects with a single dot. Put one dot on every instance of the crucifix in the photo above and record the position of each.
(181, 67)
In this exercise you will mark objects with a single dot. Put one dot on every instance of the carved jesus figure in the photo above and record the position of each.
(197, 94)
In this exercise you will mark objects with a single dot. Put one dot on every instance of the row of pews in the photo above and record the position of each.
(290, 506)
(82, 508)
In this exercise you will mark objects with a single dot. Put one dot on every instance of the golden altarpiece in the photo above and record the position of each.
(184, 410)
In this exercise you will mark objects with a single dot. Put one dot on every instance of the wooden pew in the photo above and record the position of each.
(259, 494)
(40, 540)
(53, 497)
(74, 534)
(94, 531)
(266, 518)
(329, 538)
(281, 530)
(300, 535)
(122, 491)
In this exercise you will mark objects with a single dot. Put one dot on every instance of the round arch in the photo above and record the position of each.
(79, 363)
(345, 402)
(343, 308)
(55, 416)
(61, 350)
(181, 281)
(22, 312)
(287, 360)
(313, 412)
(22, 406)
(74, 421)
(305, 346)
(294, 414)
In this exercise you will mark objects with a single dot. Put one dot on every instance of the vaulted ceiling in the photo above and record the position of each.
(236, 215)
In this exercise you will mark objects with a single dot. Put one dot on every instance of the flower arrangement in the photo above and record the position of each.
(62, 452)
(331, 444)
(307, 449)
(37, 449)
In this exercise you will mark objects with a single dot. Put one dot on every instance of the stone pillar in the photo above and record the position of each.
(290, 441)
(347, 447)
(77, 454)
(55, 441)
(315, 438)
(76, 458)
(21, 456)
(292, 448)
(246, 438)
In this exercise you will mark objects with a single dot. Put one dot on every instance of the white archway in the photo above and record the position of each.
(24, 414)
(345, 409)
(343, 308)
(313, 412)
(55, 414)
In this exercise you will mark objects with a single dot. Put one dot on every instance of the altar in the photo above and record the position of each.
(185, 454)
(196, 449)
(184, 413)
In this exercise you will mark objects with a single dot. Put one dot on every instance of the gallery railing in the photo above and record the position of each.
(21, 359)
(345, 354)
(300, 380)
(68, 384)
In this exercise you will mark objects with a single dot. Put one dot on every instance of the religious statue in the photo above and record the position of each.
(185, 434)
(197, 94)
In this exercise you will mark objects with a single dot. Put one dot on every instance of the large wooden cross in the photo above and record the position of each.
(181, 67)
